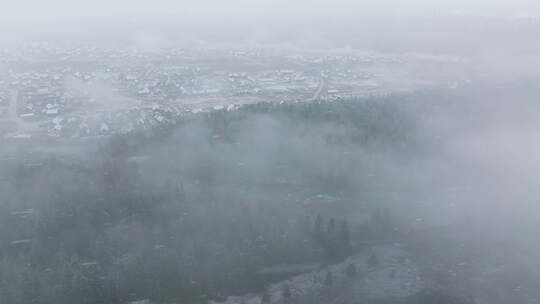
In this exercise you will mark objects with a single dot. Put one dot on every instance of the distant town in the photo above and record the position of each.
(80, 91)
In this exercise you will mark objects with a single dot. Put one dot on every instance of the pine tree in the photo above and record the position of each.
(331, 227)
(351, 270)
(328, 279)
(286, 291)
(345, 238)
(373, 261)
(265, 298)
(318, 228)
(181, 193)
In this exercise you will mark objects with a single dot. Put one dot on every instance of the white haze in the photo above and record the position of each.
(276, 8)
(486, 146)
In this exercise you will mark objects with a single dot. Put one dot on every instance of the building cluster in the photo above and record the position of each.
(4, 99)
(84, 91)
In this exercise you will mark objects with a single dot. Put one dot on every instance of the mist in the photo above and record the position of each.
(269, 152)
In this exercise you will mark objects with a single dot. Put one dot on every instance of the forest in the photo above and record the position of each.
(197, 210)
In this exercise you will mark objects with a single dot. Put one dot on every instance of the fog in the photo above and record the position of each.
(241, 8)
(265, 152)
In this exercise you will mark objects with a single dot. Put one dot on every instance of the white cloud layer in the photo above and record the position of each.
(66, 8)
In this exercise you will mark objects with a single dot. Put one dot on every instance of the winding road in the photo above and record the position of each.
(322, 89)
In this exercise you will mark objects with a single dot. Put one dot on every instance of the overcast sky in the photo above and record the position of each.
(18, 9)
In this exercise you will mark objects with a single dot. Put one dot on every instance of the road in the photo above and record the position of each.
(322, 89)
(12, 110)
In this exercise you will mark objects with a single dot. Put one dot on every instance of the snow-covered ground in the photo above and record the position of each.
(394, 275)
